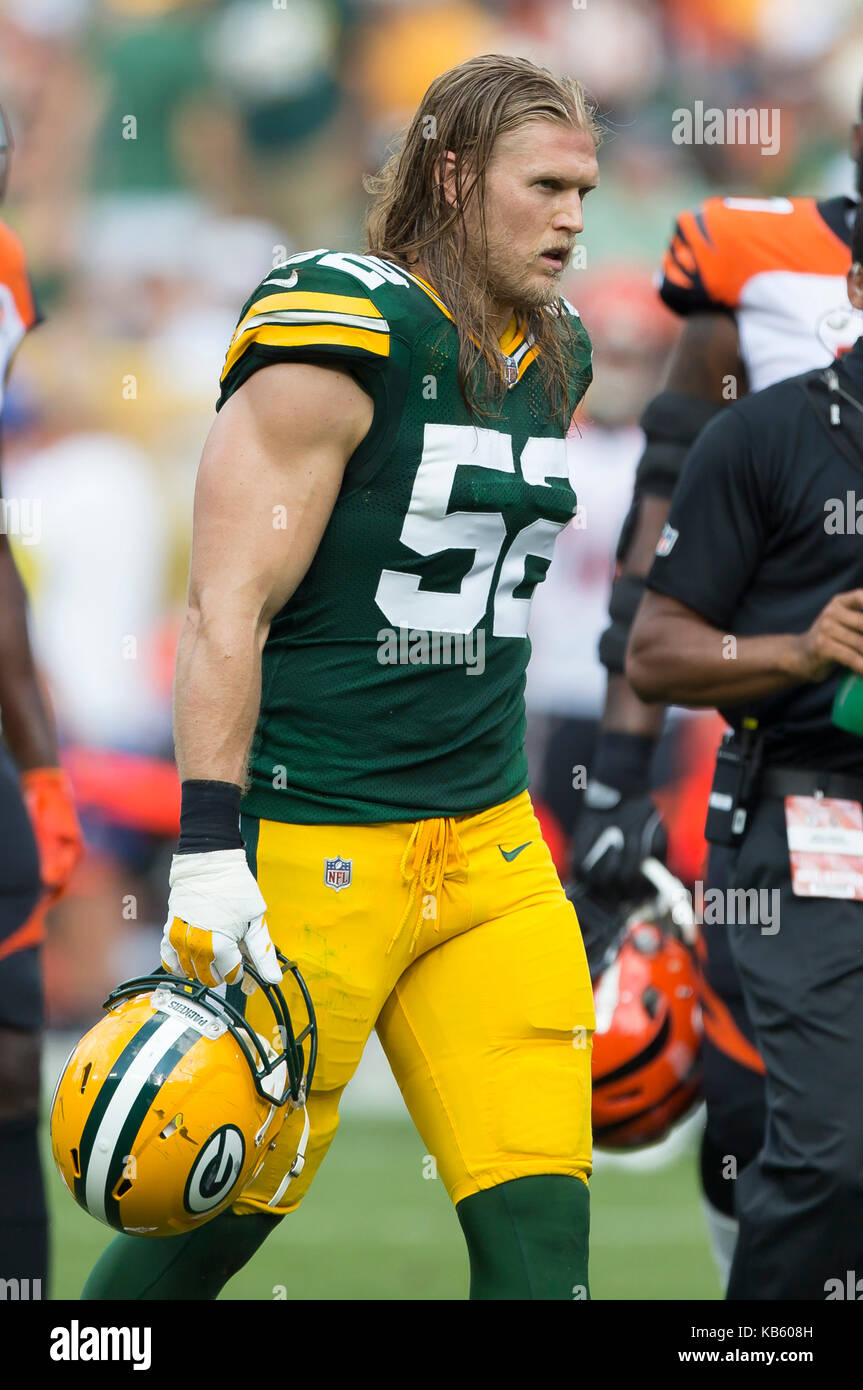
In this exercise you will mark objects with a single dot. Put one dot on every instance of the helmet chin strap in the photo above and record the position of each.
(259, 1137)
(297, 1166)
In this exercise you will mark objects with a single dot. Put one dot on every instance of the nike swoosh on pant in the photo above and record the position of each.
(510, 854)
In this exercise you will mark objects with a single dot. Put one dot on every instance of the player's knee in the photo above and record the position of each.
(20, 1056)
(828, 1179)
(528, 1238)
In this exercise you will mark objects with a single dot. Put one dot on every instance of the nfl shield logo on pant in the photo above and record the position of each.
(337, 872)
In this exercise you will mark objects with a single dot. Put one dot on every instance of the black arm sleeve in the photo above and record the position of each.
(626, 595)
(671, 422)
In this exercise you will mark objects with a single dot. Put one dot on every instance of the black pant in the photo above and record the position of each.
(20, 973)
(733, 1091)
(800, 1203)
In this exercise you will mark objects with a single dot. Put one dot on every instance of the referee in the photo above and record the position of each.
(754, 605)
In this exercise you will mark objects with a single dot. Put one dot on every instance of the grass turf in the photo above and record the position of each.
(373, 1227)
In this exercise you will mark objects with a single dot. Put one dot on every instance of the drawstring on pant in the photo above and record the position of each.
(423, 865)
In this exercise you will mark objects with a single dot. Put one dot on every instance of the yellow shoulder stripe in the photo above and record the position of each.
(299, 299)
(308, 335)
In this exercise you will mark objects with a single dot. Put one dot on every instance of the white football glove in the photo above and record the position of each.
(215, 918)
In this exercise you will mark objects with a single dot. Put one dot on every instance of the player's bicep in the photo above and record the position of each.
(269, 478)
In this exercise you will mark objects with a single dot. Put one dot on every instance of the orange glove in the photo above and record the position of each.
(47, 793)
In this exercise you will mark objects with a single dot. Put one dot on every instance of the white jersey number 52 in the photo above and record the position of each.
(429, 529)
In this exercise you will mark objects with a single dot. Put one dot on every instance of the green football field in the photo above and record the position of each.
(373, 1227)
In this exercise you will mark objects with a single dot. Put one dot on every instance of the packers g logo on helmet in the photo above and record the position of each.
(166, 1109)
(215, 1170)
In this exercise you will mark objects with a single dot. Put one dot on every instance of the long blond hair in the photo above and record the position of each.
(465, 110)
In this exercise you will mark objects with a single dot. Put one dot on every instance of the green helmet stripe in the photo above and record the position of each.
(106, 1093)
(136, 1115)
(134, 1069)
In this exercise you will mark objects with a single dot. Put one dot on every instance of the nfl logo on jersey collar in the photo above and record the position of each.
(510, 371)
(338, 872)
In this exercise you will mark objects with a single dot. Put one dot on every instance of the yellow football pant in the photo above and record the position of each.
(455, 941)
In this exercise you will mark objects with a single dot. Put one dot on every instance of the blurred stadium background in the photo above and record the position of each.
(167, 155)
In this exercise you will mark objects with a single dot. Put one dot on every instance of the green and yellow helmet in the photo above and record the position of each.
(165, 1110)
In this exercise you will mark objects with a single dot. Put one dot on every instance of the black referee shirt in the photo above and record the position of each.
(766, 525)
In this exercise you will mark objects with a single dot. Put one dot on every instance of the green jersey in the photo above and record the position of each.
(393, 678)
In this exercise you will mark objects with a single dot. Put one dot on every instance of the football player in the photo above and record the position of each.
(37, 851)
(760, 283)
(376, 501)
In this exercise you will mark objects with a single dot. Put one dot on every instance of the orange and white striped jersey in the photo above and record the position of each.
(18, 312)
(779, 266)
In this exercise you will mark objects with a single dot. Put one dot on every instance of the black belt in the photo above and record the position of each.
(798, 781)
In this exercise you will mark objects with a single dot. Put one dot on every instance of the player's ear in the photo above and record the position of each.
(855, 285)
(445, 175)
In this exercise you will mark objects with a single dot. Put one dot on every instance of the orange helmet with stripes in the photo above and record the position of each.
(165, 1110)
(646, 1049)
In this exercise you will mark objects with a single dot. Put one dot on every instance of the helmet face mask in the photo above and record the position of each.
(181, 996)
(165, 1111)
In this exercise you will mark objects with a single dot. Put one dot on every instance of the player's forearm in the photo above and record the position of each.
(28, 726)
(217, 693)
(625, 713)
(683, 661)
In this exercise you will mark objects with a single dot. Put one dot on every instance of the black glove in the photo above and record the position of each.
(603, 925)
(612, 840)
(619, 825)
